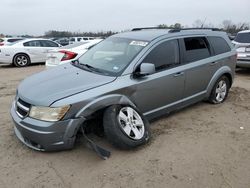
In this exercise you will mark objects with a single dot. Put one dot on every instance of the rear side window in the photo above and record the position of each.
(164, 55)
(34, 43)
(196, 48)
(219, 45)
(243, 37)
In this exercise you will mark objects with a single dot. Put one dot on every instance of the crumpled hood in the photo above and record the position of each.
(44, 88)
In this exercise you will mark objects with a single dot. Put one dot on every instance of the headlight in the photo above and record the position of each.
(47, 113)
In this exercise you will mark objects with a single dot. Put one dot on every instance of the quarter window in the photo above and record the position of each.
(219, 45)
(164, 55)
(197, 48)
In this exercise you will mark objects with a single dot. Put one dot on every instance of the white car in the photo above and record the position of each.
(73, 40)
(27, 51)
(242, 44)
(69, 53)
(7, 41)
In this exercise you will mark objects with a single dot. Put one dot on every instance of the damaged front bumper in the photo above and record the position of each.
(46, 136)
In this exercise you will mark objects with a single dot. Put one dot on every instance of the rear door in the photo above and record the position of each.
(34, 50)
(199, 66)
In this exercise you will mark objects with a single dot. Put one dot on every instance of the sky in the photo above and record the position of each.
(34, 17)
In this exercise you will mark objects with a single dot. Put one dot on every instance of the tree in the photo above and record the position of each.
(233, 28)
(174, 26)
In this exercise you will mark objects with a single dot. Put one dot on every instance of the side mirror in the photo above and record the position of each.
(146, 69)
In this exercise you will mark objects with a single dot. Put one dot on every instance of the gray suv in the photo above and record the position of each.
(124, 81)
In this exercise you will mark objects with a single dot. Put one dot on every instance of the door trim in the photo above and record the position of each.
(174, 103)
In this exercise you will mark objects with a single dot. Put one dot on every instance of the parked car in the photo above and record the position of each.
(72, 40)
(62, 41)
(7, 41)
(242, 43)
(125, 80)
(69, 53)
(24, 52)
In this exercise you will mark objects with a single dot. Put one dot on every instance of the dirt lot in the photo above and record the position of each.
(203, 146)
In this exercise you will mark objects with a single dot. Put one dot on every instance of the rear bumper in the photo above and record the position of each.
(243, 63)
(50, 64)
(45, 136)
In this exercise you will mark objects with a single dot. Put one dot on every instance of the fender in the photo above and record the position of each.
(104, 102)
(223, 70)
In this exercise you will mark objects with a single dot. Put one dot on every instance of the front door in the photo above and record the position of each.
(165, 87)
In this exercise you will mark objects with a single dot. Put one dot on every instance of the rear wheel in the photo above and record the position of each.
(220, 90)
(21, 60)
(125, 127)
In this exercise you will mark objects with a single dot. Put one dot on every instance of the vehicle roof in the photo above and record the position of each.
(151, 34)
(6, 38)
(32, 39)
(245, 31)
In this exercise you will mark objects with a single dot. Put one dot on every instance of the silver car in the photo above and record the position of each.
(124, 81)
(242, 43)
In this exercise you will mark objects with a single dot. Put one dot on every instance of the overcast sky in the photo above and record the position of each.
(38, 16)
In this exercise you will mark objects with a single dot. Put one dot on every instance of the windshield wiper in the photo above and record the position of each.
(87, 67)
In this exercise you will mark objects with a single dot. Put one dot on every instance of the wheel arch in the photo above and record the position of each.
(102, 103)
(220, 72)
(21, 53)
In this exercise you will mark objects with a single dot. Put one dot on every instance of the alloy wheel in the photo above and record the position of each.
(131, 123)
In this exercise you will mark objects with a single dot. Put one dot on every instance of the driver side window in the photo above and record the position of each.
(164, 55)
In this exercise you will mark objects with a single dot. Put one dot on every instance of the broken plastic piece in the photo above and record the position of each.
(101, 152)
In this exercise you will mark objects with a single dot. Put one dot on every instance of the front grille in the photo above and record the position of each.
(22, 108)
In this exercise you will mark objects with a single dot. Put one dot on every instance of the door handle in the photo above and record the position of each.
(213, 63)
(178, 74)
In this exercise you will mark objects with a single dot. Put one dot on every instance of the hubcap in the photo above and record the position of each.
(21, 60)
(221, 91)
(131, 123)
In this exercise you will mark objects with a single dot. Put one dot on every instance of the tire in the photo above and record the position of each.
(120, 127)
(220, 90)
(21, 60)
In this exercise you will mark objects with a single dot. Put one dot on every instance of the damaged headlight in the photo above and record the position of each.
(48, 113)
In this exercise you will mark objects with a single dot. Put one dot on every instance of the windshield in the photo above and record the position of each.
(243, 37)
(112, 55)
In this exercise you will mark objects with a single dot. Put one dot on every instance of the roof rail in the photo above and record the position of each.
(145, 28)
(172, 30)
(195, 28)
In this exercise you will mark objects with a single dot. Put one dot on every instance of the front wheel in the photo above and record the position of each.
(21, 60)
(125, 127)
(220, 90)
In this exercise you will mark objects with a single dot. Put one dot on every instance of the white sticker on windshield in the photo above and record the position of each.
(115, 68)
(138, 43)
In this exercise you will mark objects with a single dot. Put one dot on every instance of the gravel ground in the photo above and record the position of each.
(202, 146)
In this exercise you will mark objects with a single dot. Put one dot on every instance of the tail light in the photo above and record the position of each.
(68, 55)
(1, 44)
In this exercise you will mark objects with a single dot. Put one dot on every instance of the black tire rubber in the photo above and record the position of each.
(15, 60)
(114, 132)
(212, 98)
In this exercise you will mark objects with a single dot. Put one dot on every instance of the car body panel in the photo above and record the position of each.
(75, 81)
